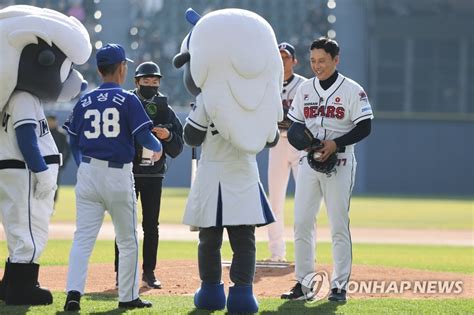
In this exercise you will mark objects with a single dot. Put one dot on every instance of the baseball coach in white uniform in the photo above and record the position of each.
(334, 110)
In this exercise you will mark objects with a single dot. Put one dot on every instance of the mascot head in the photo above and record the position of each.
(39, 47)
(231, 57)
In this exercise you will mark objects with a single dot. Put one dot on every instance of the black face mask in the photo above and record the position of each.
(148, 91)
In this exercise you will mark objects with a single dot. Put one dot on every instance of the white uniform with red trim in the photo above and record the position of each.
(281, 159)
(25, 218)
(329, 114)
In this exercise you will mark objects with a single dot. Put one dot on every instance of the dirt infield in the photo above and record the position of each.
(180, 277)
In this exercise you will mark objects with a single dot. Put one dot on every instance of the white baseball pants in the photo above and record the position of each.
(311, 188)
(281, 159)
(100, 187)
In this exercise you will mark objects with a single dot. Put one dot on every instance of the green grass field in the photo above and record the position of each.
(107, 304)
(370, 212)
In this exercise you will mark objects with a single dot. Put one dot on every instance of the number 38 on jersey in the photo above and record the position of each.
(106, 123)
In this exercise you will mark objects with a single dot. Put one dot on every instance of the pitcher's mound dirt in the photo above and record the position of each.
(180, 277)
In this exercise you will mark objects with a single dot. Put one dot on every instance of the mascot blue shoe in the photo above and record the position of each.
(210, 296)
(242, 300)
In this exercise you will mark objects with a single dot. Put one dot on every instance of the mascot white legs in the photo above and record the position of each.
(39, 47)
(233, 67)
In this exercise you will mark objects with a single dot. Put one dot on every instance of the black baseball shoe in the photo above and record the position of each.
(295, 293)
(137, 303)
(73, 301)
(150, 280)
(337, 295)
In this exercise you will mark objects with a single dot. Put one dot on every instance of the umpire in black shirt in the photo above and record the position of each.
(149, 177)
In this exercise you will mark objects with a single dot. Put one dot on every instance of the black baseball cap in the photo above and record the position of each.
(111, 54)
(288, 48)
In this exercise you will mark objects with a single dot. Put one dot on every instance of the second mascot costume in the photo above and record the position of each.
(233, 67)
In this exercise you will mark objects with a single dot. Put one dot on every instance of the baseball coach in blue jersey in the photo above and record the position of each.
(102, 129)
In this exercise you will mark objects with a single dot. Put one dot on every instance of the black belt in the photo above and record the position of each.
(341, 149)
(17, 164)
(88, 159)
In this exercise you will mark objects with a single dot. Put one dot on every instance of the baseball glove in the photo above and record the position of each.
(325, 167)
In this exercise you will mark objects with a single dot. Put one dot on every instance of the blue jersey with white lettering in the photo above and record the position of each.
(105, 120)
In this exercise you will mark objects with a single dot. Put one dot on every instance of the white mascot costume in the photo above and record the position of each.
(233, 67)
(39, 47)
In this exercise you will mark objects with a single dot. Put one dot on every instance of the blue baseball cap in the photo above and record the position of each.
(288, 48)
(111, 54)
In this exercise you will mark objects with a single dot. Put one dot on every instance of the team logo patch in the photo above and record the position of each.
(43, 126)
(363, 96)
(337, 100)
(306, 97)
(151, 109)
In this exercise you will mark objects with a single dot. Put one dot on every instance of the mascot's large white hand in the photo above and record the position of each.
(45, 185)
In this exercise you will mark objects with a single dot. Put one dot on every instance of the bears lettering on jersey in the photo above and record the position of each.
(330, 111)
